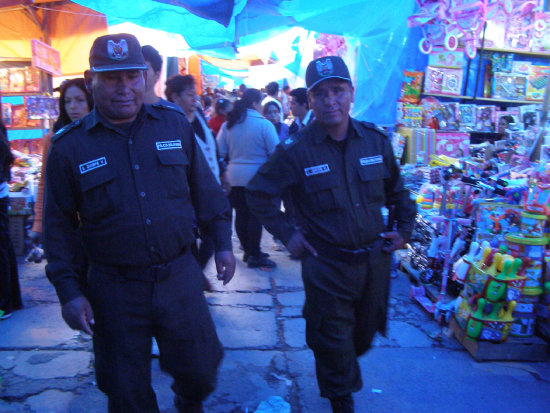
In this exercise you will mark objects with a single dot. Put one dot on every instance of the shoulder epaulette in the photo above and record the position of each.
(163, 105)
(64, 130)
(291, 140)
(376, 128)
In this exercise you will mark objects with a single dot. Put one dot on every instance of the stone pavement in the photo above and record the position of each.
(46, 367)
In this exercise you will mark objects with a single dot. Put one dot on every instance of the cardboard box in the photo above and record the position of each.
(509, 86)
(536, 82)
(454, 144)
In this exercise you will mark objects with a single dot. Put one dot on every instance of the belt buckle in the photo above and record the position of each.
(159, 272)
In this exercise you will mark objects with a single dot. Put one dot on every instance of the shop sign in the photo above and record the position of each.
(45, 57)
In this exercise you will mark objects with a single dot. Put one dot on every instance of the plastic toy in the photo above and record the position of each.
(468, 19)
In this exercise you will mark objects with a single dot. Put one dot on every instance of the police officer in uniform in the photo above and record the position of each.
(340, 173)
(132, 175)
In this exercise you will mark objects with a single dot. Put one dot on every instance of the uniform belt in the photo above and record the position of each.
(152, 273)
(348, 255)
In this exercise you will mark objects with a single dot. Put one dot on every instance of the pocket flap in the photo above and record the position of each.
(320, 182)
(173, 157)
(373, 172)
(96, 178)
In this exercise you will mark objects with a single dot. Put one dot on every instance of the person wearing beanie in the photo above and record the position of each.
(340, 172)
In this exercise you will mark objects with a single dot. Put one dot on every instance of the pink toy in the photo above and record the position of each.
(468, 18)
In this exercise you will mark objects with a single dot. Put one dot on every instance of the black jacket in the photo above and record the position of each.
(135, 194)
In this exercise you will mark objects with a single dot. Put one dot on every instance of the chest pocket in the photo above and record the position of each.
(173, 172)
(372, 183)
(100, 194)
(321, 192)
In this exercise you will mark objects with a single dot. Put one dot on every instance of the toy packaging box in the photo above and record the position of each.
(398, 145)
(502, 62)
(449, 117)
(521, 68)
(453, 144)
(409, 115)
(443, 80)
(411, 86)
(509, 86)
(485, 118)
(536, 82)
(529, 115)
(541, 38)
(467, 117)
(441, 57)
(419, 143)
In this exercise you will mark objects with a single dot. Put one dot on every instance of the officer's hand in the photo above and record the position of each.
(297, 245)
(225, 265)
(35, 237)
(393, 241)
(78, 314)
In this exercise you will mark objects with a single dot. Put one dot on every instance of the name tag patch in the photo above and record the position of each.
(90, 166)
(316, 170)
(371, 160)
(168, 145)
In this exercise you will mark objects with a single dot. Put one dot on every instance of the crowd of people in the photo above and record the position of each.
(137, 194)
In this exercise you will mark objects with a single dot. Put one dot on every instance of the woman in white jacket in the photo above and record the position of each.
(246, 140)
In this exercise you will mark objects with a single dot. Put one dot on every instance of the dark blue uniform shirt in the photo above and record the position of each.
(338, 188)
(135, 193)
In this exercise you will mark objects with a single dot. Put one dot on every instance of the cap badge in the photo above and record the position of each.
(324, 67)
(117, 51)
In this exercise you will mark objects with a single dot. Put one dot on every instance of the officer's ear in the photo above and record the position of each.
(352, 92)
(88, 78)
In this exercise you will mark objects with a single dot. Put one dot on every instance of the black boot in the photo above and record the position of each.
(187, 406)
(342, 404)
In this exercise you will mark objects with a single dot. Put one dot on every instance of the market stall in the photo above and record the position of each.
(39, 40)
(473, 136)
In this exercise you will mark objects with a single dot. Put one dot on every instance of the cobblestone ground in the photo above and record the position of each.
(418, 367)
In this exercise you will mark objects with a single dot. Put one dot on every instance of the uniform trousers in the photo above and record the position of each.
(343, 310)
(129, 310)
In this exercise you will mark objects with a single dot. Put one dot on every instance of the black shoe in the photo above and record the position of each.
(262, 254)
(187, 406)
(342, 404)
(260, 262)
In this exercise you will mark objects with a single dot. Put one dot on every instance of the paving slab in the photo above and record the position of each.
(7, 359)
(408, 377)
(246, 379)
(293, 312)
(14, 407)
(295, 332)
(50, 401)
(40, 326)
(52, 364)
(245, 279)
(245, 327)
(240, 299)
(294, 299)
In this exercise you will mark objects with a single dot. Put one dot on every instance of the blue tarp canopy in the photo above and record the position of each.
(218, 27)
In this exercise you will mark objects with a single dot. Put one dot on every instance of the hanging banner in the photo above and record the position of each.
(45, 57)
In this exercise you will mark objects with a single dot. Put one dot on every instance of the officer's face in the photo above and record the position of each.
(118, 95)
(330, 101)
